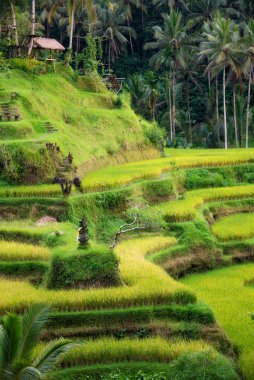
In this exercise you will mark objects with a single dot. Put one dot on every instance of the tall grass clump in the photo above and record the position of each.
(12, 251)
(30, 191)
(111, 350)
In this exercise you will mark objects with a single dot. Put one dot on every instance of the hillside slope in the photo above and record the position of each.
(51, 108)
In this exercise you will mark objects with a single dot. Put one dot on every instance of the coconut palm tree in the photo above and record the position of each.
(177, 4)
(111, 28)
(136, 87)
(128, 5)
(202, 11)
(248, 69)
(218, 46)
(244, 9)
(18, 339)
(172, 44)
(72, 5)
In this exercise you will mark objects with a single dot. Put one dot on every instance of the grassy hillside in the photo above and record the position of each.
(52, 108)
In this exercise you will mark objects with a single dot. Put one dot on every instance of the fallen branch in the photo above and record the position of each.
(123, 230)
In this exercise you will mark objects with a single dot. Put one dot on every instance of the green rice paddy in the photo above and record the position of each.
(232, 301)
(238, 227)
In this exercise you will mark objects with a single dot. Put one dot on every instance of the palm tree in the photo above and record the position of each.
(245, 9)
(128, 4)
(88, 5)
(136, 87)
(151, 94)
(248, 69)
(202, 11)
(111, 28)
(14, 23)
(177, 4)
(172, 43)
(220, 37)
(18, 338)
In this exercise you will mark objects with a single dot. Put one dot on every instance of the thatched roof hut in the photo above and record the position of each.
(47, 44)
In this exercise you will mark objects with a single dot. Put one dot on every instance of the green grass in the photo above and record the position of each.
(86, 122)
(125, 174)
(234, 227)
(232, 301)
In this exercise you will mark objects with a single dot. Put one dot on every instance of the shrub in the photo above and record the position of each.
(138, 376)
(24, 164)
(92, 83)
(126, 370)
(90, 55)
(33, 208)
(248, 177)
(89, 267)
(28, 65)
(206, 365)
(110, 149)
(203, 178)
(24, 269)
(157, 189)
(156, 136)
(118, 103)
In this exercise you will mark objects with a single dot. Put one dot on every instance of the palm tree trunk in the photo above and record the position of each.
(130, 37)
(248, 109)
(33, 17)
(209, 80)
(235, 118)
(170, 111)
(142, 13)
(14, 23)
(154, 109)
(109, 57)
(33, 28)
(217, 99)
(188, 109)
(174, 102)
(72, 26)
(225, 108)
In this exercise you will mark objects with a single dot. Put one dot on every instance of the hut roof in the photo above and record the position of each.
(47, 43)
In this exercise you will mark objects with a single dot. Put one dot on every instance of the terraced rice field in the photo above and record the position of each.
(12, 251)
(232, 300)
(157, 316)
(124, 174)
(234, 227)
(145, 284)
(186, 209)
